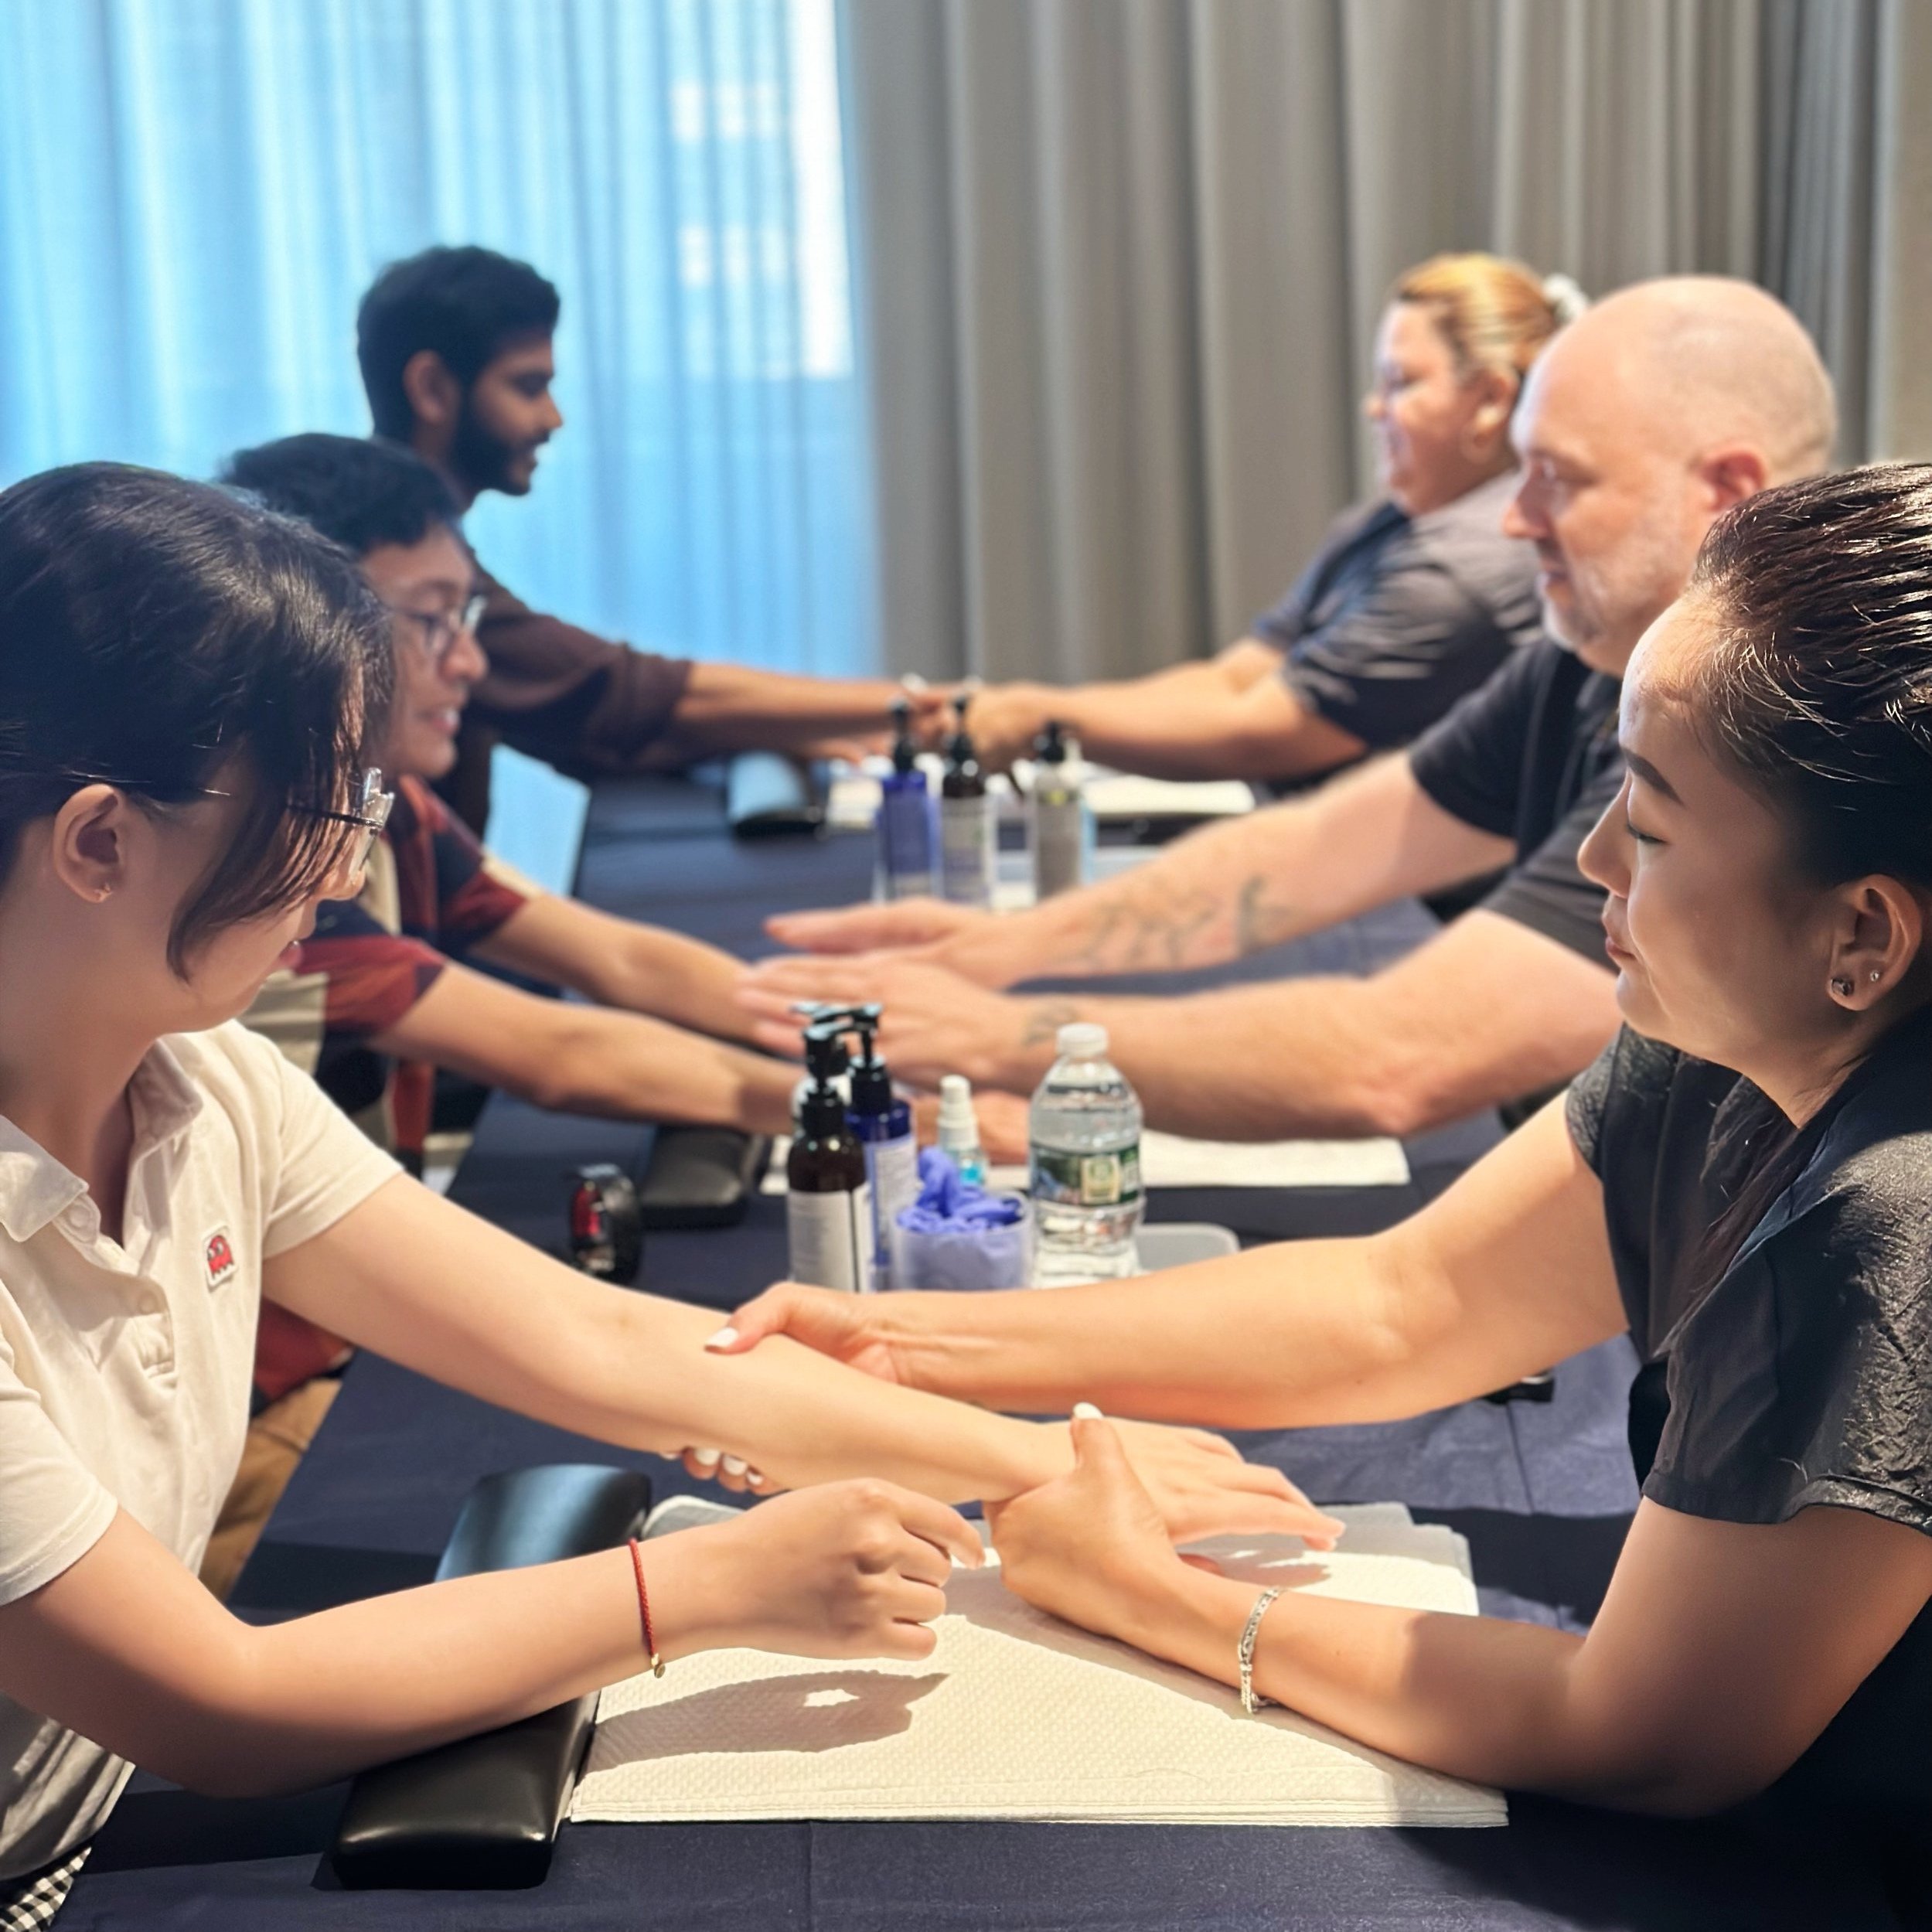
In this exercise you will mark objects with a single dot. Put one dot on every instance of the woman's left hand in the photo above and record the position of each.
(1197, 1485)
(1090, 1545)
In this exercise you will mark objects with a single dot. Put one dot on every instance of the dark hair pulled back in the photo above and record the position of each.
(1818, 692)
(155, 633)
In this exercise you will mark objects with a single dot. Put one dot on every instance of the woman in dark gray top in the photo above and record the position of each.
(1411, 601)
(1742, 1183)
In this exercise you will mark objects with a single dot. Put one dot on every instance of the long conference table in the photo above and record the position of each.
(1543, 1492)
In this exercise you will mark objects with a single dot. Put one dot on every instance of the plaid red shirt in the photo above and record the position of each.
(432, 894)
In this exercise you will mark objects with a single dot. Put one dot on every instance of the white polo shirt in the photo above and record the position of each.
(124, 1366)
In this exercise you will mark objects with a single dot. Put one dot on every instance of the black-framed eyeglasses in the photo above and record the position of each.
(369, 814)
(438, 631)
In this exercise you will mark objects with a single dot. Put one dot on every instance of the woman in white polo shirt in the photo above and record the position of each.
(185, 687)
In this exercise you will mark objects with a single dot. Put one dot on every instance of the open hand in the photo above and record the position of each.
(934, 1022)
(897, 925)
(1198, 1485)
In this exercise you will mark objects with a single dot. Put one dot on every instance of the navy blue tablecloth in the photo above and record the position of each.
(1543, 1492)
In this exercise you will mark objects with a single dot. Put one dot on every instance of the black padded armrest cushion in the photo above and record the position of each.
(768, 795)
(481, 1814)
(700, 1177)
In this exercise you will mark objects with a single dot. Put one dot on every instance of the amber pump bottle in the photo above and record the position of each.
(828, 1208)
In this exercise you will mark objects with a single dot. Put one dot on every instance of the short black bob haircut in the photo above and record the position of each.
(167, 637)
(468, 305)
(359, 492)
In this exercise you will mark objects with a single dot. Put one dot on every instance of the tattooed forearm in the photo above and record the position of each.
(1147, 928)
(1259, 923)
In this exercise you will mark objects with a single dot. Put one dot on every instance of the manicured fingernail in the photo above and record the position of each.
(1086, 1411)
(757, 1479)
(723, 1338)
(734, 1466)
(706, 1458)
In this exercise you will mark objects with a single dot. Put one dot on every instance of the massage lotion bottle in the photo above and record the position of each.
(908, 824)
(883, 1125)
(828, 1206)
(969, 829)
(1062, 820)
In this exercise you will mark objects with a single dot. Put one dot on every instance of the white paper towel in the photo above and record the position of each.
(1176, 1160)
(1018, 1715)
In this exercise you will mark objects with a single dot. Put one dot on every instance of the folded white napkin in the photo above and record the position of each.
(1018, 1715)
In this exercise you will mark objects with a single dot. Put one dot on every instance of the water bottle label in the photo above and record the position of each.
(1087, 1180)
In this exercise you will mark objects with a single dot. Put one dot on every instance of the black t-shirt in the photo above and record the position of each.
(1397, 616)
(1802, 1374)
(1533, 757)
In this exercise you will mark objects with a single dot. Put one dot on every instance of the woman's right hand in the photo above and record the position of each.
(898, 924)
(841, 1570)
(846, 1328)
(852, 1329)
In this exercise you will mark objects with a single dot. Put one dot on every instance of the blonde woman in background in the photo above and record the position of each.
(1412, 599)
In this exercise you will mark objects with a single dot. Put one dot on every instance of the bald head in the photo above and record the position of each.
(1705, 361)
(1646, 419)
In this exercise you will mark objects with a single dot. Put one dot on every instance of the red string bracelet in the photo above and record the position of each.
(644, 1609)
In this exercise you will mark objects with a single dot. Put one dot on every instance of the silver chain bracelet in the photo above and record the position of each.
(1245, 1652)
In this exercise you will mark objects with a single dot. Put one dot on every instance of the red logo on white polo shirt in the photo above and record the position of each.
(221, 1258)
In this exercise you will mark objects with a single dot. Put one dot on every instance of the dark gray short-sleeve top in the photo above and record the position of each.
(1396, 617)
(1802, 1374)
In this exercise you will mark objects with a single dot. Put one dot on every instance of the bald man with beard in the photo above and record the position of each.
(1643, 422)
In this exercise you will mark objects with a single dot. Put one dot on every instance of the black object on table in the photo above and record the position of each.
(1543, 1492)
(483, 1813)
(769, 795)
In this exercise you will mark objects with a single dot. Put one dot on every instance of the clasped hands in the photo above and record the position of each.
(1094, 1544)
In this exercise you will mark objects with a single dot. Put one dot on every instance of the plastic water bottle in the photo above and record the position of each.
(1084, 1132)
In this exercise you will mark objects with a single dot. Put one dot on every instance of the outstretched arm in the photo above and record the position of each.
(1508, 1271)
(620, 962)
(431, 1286)
(1722, 1649)
(735, 708)
(581, 1059)
(1199, 726)
(126, 1647)
(1366, 838)
(1485, 1012)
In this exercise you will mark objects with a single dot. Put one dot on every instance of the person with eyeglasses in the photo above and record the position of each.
(396, 999)
(187, 688)
(386, 992)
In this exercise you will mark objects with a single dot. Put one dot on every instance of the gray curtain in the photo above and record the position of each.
(1119, 262)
